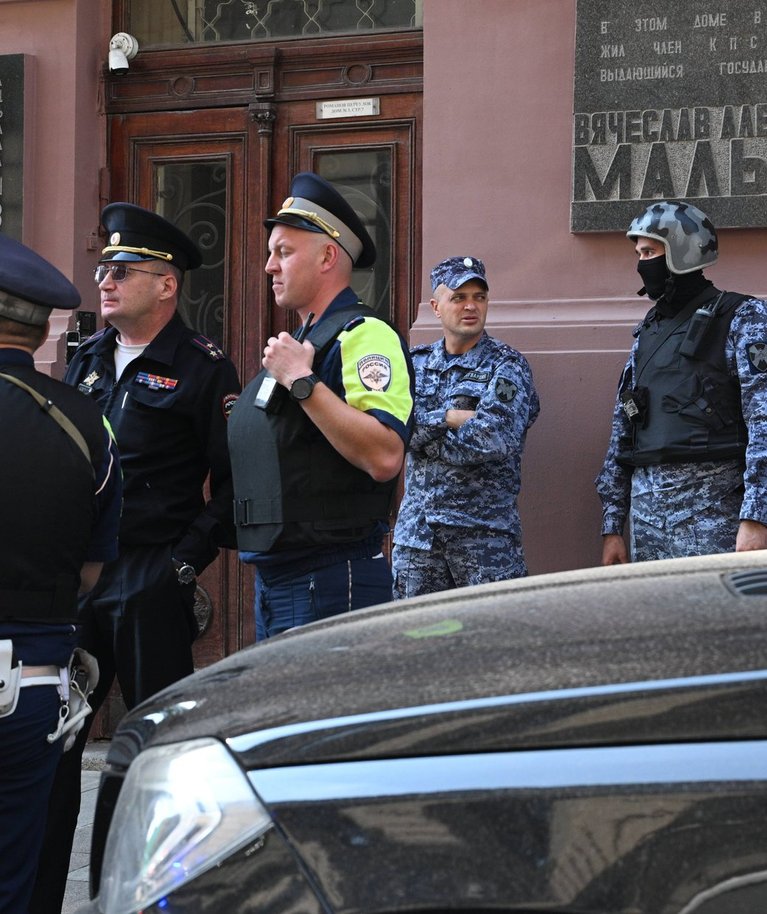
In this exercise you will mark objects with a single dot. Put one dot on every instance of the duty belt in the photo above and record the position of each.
(40, 675)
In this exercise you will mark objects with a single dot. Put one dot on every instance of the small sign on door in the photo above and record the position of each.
(348, 107)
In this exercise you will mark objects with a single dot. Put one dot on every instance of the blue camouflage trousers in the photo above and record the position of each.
(685, 509)
(458, 558)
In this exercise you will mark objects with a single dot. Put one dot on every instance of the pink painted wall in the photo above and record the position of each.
(64, 138)
(498, 102)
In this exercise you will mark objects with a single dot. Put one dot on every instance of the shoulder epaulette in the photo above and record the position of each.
(94, 337)
(354, 322)
(208, 347)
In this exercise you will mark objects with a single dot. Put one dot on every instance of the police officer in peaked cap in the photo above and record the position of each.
(316, 206)
(686, 457)
(332, 417)
(167, 392)
(60, 510)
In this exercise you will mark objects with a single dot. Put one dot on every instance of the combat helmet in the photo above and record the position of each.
(687, 234)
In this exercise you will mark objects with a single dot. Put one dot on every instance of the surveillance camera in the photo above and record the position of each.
(118, 62)
(122, 48)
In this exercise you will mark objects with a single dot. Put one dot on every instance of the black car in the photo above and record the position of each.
(591, 741)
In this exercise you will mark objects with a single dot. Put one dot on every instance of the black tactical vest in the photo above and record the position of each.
(48, 507)
(690, 404)
(291, 488)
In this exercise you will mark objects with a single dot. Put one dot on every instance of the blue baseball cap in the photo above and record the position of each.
(137, 234)
(455, 271)
(316, 206)
(30, 287)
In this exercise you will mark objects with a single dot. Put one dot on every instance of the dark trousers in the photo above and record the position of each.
(27, 767)
(318, 594)
(138, 623)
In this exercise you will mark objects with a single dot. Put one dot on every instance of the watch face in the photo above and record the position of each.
(186, 574)
(301, 388)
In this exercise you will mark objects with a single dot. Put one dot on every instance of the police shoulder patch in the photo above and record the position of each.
(375, 372)
(208, 347)
(227, 403)
(505, 390)
(757, 355)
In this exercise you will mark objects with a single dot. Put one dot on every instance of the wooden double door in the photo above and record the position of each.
(218, 169)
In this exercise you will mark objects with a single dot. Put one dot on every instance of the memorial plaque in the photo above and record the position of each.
(11, 144)
(670, 103)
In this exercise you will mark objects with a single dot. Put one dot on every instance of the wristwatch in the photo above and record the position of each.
(184, 572)
(302, 388)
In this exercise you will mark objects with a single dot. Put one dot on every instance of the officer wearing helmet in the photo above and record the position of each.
(686, 459)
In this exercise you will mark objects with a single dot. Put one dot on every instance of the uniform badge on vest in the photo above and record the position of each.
(374, 372)
(505, 390)
(757, 355)
(91, 379)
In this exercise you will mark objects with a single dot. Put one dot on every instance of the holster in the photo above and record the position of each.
(10, 679)
(78, 681)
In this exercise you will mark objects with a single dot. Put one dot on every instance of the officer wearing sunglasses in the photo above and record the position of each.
(167, 392)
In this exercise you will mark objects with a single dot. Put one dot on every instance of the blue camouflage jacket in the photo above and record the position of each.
(466, 477)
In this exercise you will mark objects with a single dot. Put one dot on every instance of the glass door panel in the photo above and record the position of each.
(376, 166)
(194, 196)
(364, 178)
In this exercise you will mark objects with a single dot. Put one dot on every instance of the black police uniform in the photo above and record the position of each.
(168, 411)
(60, 508)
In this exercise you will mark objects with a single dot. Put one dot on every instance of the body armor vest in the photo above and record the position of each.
(49, 505)
(292, 489)
(684, 405)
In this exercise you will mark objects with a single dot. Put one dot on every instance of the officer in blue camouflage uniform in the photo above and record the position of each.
(167, 392)
(318, 437)
(687, 459)
(458, 523)
(59, 513)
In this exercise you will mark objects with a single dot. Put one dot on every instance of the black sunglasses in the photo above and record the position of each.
(118, 271)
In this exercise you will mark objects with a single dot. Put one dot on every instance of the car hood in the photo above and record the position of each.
(659, 651)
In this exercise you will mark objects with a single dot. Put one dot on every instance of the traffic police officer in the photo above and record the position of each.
(458, 523)
(318, 438)
(686, 459)
(167, 392)
(60, 512)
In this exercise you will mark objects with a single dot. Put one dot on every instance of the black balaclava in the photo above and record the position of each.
(655, 274)
(670, 291)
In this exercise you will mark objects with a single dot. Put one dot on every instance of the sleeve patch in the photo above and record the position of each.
(375, 372)
(757, 355)
(505, 390)
(227, 404)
